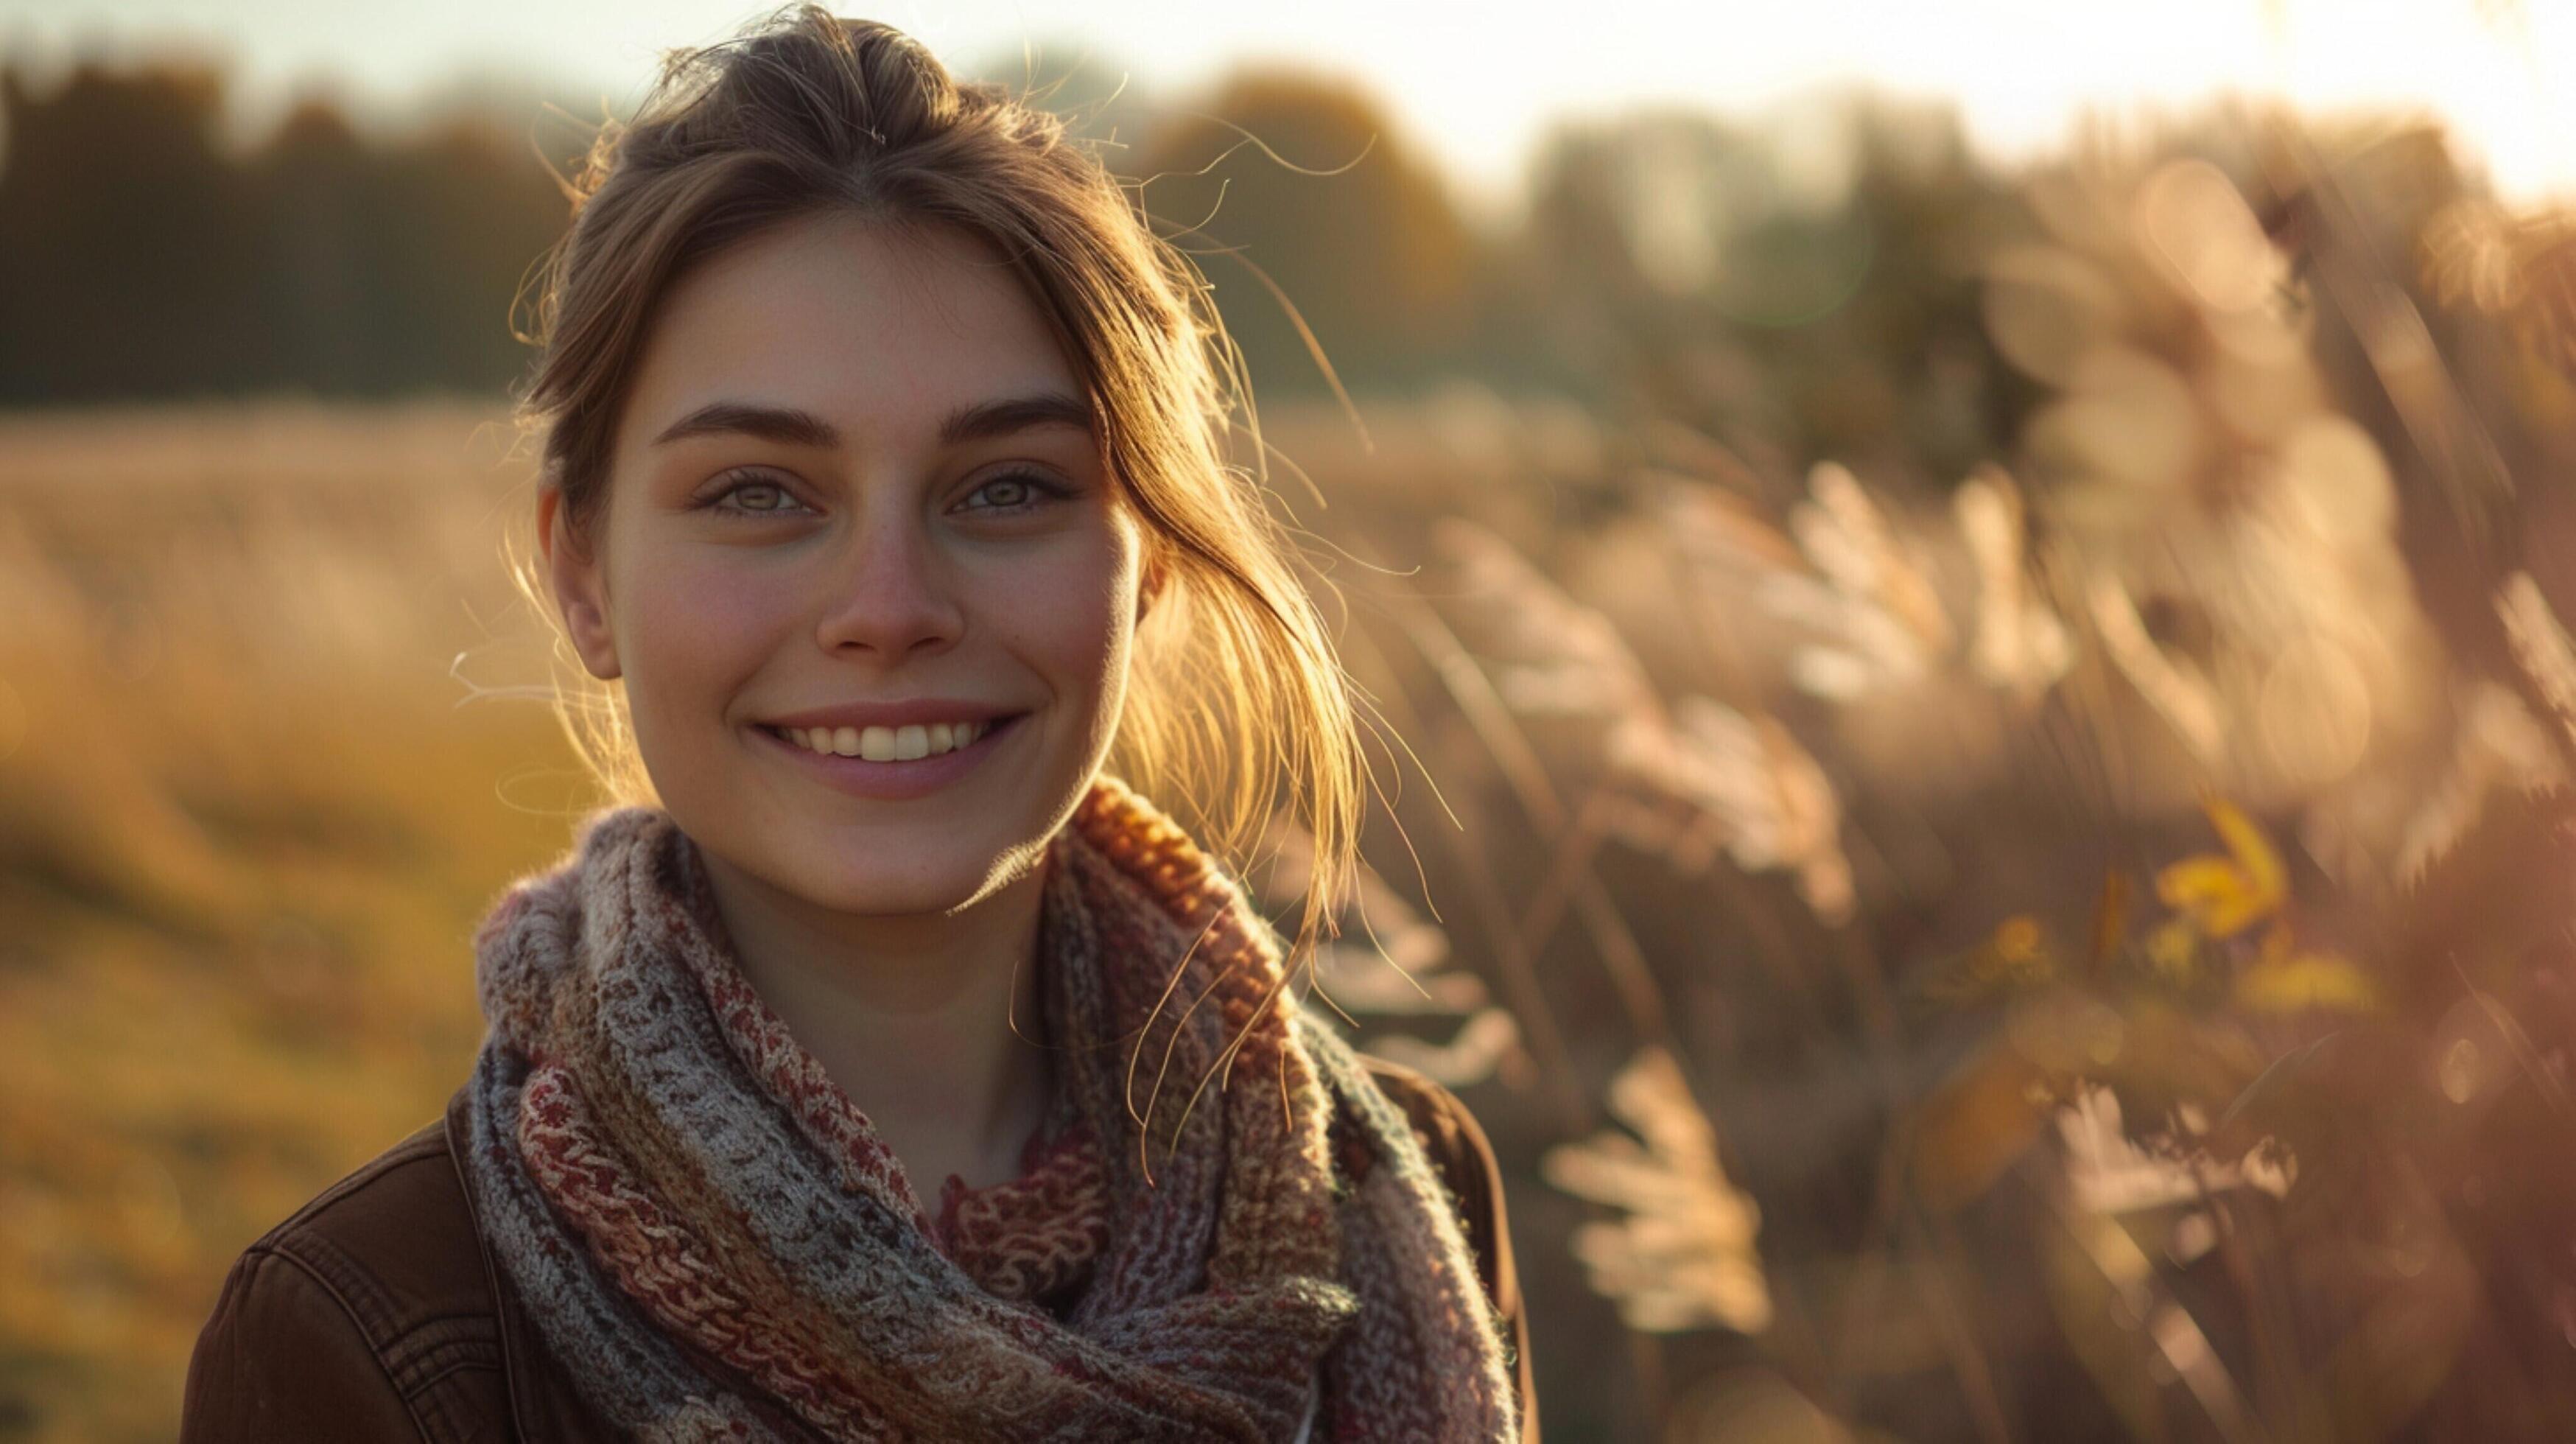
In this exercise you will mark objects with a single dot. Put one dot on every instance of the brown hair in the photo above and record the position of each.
(1239, 690)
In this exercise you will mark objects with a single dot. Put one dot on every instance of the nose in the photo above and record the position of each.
(893, 595)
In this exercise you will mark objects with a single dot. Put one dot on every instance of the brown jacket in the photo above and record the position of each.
(375, 1312)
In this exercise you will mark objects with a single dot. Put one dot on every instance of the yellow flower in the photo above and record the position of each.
(2223, 896)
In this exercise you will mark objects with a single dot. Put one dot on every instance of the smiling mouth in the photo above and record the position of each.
(912, 743)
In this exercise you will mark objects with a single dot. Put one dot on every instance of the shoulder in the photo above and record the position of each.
(1459, 1152)
(1464, 1159)
(1449, 1132)
(366, 1313)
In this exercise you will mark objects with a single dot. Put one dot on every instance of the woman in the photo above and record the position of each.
(880, 451)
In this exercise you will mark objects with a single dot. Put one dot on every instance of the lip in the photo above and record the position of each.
(921, 710)
(859, 777)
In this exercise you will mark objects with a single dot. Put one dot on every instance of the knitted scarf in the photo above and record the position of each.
(715, 1243)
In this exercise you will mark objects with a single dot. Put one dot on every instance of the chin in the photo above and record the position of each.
(869, 892)
(861, 900)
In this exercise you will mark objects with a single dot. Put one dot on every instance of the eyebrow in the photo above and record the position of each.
(793, 427)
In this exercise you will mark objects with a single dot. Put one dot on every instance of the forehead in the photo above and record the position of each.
(877, 330)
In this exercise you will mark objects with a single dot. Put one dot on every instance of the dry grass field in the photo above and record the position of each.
(247, 828)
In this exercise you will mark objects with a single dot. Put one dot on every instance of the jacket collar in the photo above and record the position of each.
(525, 1374)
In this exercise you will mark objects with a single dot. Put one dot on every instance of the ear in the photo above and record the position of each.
(581, 591)
(1152, 587)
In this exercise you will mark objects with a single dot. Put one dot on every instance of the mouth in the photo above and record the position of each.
(894, 746)
(905, 768)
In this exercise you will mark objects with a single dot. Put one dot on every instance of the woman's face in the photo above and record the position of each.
(856, 503)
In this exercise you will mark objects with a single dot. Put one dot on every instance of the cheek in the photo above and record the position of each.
(1070, 614)
(695, 633)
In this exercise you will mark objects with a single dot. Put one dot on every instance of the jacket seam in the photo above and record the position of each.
(347, 1312)
(415, 1350)
(423, 1359)
(456, 1366)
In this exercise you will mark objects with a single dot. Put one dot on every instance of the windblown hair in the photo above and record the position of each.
(1239, 708)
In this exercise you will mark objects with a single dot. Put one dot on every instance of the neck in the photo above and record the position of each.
(931, 1023)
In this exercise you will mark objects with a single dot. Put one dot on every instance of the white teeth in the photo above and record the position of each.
(889, 744)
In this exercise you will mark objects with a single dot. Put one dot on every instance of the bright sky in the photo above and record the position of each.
(1476, 82)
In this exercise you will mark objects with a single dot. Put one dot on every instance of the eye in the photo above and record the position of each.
(1015, 492)
(759, 496)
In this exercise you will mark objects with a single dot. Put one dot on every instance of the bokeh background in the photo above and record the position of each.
(1973, 592)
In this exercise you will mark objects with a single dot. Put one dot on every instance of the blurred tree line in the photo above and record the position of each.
(1663, 259)
(1802, 288)
(139, 259)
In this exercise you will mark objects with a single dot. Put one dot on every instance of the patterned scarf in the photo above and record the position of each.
(716, 1244)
